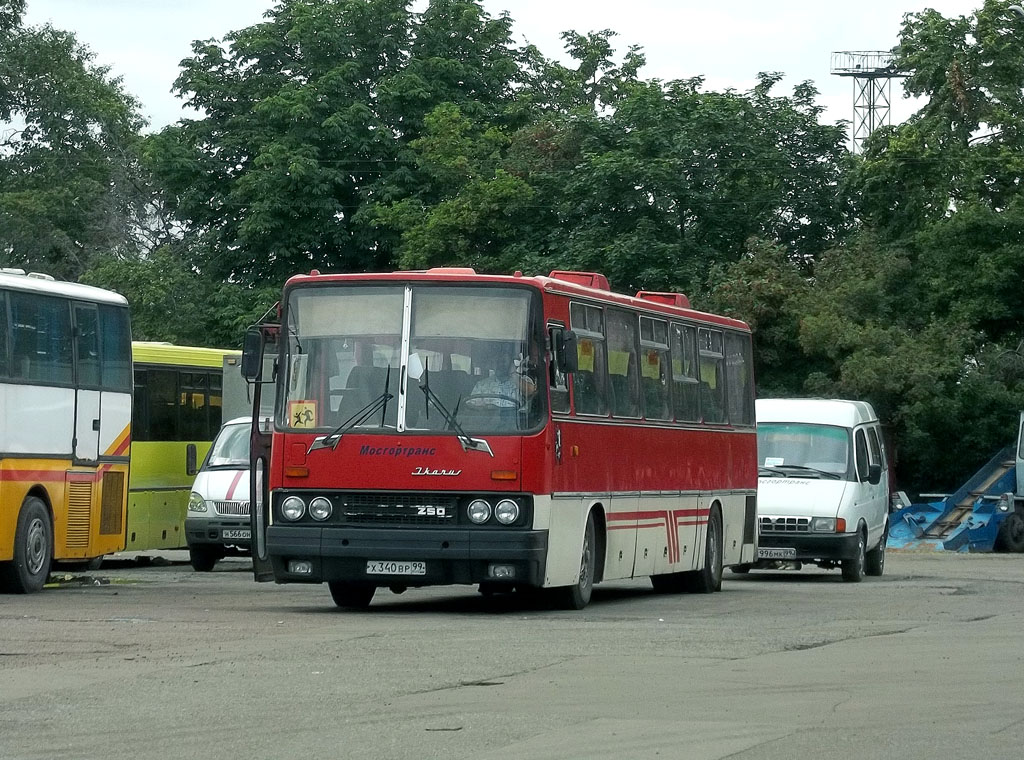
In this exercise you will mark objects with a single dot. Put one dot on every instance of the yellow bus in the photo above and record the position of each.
(177, 411)
(65, 413)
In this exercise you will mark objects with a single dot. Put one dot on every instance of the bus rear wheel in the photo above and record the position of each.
(709, 578)
(33, 549)
(351, 596)
(577, 596)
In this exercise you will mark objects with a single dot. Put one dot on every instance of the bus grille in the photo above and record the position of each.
(111, 504)
(234, 508)
(79, 514)
(785, 524)
(398, 509)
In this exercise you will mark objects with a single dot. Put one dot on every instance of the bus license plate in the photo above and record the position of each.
(236, 534)
(383, 567)
(786, 553)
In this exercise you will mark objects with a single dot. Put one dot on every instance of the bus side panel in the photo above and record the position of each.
(565, 540)
(50, 417)
(18, 477)
(735, 550)
(158, 494)
(621, 519)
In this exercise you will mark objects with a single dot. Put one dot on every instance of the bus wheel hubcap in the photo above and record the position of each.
(35, 546)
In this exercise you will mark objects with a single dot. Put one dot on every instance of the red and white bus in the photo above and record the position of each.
(447, 427)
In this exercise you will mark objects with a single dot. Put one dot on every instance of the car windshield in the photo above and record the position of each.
(789, 447)
(230, 448)
(471, 363)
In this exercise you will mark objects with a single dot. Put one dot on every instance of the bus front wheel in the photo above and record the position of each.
(577, 596)
(33, 549)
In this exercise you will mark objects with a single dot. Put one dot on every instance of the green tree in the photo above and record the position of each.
(70, 182)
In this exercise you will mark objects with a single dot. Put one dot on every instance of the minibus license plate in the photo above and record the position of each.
(787, 553)
(382, 567)
(239, 533)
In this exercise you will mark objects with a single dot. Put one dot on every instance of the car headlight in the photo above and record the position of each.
(478, 511)
(293, 508)
(506, 511)
(823, 525)
(196, 503)
(320, 508)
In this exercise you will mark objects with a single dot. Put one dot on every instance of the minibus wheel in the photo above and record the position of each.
(853, 569)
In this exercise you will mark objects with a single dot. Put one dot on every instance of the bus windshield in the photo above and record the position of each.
(792, 446)
(469, 356)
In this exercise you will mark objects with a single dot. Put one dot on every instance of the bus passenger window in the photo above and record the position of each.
(739, 379)
(589, 382)
(87, 346)
(42, 338)
(654, 364)
(4, 348)
(622, 364)
(712, 385)
(684, 374)
(116, 349)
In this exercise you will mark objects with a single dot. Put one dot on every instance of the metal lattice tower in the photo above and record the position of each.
(872, 72)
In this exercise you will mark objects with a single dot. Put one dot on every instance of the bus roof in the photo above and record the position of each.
(152, 352)
(12, 279)
(564, 283)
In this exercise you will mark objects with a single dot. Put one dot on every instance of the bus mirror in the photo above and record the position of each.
(190, 460)
(565, 352)
(874, 473)
(252, 353)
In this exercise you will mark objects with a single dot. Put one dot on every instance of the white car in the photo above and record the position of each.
(823, 486)
(217, 521)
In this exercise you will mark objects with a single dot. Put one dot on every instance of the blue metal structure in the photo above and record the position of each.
(966, 521)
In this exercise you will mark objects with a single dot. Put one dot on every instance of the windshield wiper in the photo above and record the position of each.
(332, 439)
(802, 468)
(468, 444)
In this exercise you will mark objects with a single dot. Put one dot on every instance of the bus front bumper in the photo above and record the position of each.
(448, 556)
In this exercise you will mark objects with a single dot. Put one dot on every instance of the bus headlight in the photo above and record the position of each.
(478, 511)
(293, 508)
(196, 503)
(320, 508)
(506, 511)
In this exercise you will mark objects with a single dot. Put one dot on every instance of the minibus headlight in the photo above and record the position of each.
(478, 511)
(320, 508)
(196, 503)
(823, 525)
(506, 511)
(293, 508)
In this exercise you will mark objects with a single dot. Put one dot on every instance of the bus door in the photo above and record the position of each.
(259, 358)
(87, 383)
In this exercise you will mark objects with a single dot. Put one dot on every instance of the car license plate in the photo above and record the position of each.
(236, 534)
(787, 553)
(384, 567)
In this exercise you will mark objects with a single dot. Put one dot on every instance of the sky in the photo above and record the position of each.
(727, 43)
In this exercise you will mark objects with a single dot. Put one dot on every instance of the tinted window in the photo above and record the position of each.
(875, 447)
(654, 368)
(87, 346)
(176, 405)
(739, 379)
(590, 381)
(116, 349)
(5, 362)
(861, 448)
(41, 347)
(684, 373)
(558, 382)
(712, 380)
(623, 368)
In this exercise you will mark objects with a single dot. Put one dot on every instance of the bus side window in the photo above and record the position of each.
(42, 346)
(558, 382)
(5, 367)
(712, 385)
(590, 381)
(738, 379)
(654, 368)
(622, 364)
(684, 373)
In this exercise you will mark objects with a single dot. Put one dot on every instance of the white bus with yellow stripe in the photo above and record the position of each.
(65, 425)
